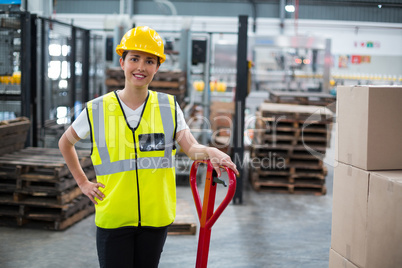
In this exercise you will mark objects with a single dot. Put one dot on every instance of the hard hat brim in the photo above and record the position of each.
(120, 51)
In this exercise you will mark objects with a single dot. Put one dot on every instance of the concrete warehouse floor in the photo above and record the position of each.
(267, 230)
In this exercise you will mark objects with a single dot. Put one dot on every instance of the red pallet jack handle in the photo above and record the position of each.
(206, 213)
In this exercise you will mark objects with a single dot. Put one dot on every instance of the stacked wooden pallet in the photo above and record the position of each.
(115, 79)
(221, 120)
(37, 190)
(170, 82)
(288, 147)
(185, 222)
(303, 98)
(13, 134)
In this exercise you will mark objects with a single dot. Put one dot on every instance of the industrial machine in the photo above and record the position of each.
(291, 63)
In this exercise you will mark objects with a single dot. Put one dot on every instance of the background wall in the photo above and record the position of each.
(381, 42)
(355, 10)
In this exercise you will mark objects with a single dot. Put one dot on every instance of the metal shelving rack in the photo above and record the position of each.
(46, 64)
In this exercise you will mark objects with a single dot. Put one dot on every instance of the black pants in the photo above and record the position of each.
(130, 247)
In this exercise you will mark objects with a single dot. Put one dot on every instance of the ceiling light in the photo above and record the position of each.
(290, 8)
(379, 6)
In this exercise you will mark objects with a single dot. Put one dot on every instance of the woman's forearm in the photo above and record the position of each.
(198, 152)
(66, 145)
(67, 149)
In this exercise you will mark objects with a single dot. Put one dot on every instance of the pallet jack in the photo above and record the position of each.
(206, 213)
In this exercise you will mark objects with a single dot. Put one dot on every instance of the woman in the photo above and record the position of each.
(133, 132)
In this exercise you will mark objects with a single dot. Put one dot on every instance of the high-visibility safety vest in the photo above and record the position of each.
(136, 165)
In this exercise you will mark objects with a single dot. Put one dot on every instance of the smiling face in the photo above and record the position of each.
(139, 68)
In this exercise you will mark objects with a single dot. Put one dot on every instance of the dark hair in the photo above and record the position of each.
(125, 52)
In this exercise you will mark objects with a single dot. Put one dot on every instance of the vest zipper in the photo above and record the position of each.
(138, 184)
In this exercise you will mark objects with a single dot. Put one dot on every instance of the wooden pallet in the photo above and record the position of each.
(297, 176)
(289, 185)
(291, 156)
(169, 82)
(263, 150)
(53, 210)
(185, 222)
(291, 131)
(164, 75)
(44, 214)
(276, 124)
(115, 72)
(37, 189)
(284, 153)
(291, 172)
(282, 139)
(60, 217)
(44, 219)
(45, 159)
(280, 130)
(290, 189)
(43, 197)
(40, 169)
(303, 98)
(301, 113)
(13, 134)
(290, 139)
(312, 171)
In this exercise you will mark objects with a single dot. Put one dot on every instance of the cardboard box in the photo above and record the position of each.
(349, 213)
(367, 216)
(384, 226)
(369, 128)
(338, 261)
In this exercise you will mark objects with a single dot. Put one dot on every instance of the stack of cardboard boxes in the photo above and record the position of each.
(367, 191)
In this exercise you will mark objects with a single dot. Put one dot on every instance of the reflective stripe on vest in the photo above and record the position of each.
(107, 167)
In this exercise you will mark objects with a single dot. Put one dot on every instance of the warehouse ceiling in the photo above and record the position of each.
(393, 3)
(367, 10)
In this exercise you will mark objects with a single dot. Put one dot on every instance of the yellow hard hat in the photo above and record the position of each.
(144, 39)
